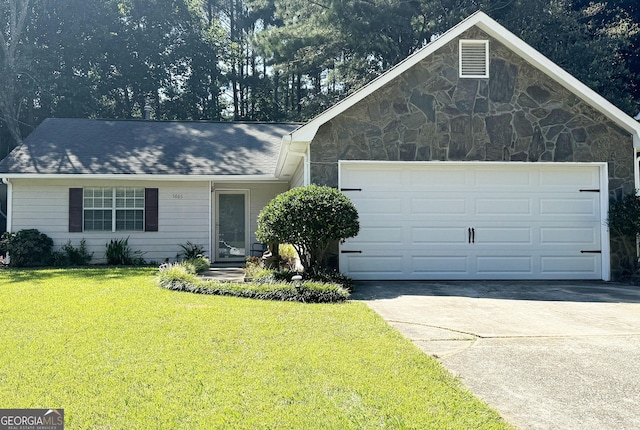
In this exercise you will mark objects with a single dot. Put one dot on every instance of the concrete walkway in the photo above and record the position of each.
(225, 272)
(546, 355)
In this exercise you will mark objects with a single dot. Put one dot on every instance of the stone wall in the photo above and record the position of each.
(429, 113)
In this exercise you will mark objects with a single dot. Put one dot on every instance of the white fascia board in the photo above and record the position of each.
(146, 177)
(307, 132)
(282, 155)
(289, 149)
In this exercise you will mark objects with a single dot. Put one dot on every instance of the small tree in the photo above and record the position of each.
(309, 218)
(624, 225)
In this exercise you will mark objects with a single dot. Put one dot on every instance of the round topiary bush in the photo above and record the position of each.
(309, 218)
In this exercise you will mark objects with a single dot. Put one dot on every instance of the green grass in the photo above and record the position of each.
(117, 351)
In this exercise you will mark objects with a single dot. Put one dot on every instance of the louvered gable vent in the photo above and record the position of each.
(474, 58)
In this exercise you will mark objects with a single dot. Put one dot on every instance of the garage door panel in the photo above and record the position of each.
(503, 206)
(439, 206)
(531, 221)
(498, 178)
(445, 236)
(439, 265)
(571, 206)
(384, 178)
(439, 177)
(375, 267)
(573, 176)
(378, 206)
(570, 236)
(504, 263)
(381, 236)
(503, 236)
(569, 264)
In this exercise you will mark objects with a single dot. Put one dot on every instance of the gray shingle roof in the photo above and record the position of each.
(88, 146)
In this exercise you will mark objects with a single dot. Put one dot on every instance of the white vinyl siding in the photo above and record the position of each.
(474, 58)
(183, 215)
(297, 180)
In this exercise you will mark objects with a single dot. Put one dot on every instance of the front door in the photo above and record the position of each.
(232, 232)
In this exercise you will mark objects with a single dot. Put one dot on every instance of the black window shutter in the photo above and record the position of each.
(150, 209)
(75, 210)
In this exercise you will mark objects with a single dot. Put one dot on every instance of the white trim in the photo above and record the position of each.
(486, 57)
(9, 203)
(282, 155)
(636, 169)
(211, 250)
(605, 240)
(307, 167)
(307, 132)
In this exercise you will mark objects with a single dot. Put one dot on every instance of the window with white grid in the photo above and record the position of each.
(113, 209)
(98, 203)
(129, 209)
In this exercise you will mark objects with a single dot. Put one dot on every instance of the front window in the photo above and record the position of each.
(129, 209)
(106, 207)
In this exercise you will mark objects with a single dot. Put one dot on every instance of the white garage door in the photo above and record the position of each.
(474, 220)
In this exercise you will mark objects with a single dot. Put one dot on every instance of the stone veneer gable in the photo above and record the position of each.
(429, 113)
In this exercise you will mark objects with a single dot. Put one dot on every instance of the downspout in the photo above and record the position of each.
(9, 185)
(211, 242)
(307, 166)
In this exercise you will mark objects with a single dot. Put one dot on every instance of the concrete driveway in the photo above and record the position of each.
(546, 355)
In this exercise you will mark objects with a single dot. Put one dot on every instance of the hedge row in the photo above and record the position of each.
(177, 277)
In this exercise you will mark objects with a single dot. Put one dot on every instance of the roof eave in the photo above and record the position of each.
(143, 177)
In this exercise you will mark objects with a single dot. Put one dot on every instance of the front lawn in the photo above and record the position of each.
(114, 350)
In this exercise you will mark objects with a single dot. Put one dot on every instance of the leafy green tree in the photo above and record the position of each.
(310, 218)
(14, 61)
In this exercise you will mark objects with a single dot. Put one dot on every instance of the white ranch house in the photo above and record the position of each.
(475, 158)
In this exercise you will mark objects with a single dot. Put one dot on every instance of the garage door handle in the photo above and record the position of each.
(350, 252)
(472, 235)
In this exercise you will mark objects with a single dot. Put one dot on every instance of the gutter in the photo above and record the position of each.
(144, 177)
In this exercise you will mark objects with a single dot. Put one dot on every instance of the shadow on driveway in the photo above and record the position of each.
(549, 291)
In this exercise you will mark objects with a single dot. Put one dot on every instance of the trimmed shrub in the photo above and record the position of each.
(310, 218)
(72, 256)
(27, 248)
(197, 264)
(177, 277)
